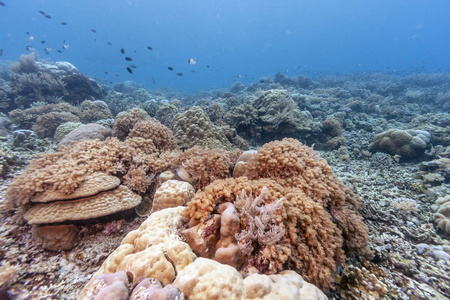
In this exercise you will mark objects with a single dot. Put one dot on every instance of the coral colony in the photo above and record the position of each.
(288, 188)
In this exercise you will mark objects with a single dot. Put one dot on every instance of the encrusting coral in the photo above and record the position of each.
(317, 212)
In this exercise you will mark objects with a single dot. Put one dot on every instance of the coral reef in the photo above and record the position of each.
(193, 128)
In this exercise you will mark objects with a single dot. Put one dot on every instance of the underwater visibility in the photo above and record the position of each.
(224, 149)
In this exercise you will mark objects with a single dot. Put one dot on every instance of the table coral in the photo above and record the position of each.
(194, 128)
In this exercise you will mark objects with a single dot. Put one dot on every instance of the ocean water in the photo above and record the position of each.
(230, 40)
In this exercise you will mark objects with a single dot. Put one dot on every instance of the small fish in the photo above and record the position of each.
(170, 68)
(153, 79)
(48, 16)
(42, 13)
(42, 42)
(59, 51)
(149, 48)
(2, 4)
(63, 23)
(180, 74)
(128, 58)
(122, 51)
(133, 66)
(1, 51)
(31, 38)
(65, 46)
(94, 31)
(207, 66)
(109, 43)
(106, 72)
(192, 71)
(191, 61)
(48, 50)
(117, 74)
(129, 70)
(29, 48)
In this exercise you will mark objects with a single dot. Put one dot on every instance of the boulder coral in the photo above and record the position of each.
(408, 144)
(194, 128)
(126, 120)
(156, 252)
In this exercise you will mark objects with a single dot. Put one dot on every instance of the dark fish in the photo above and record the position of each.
(42, 13)
(1, 51)
(94, 31)
(117, 74)
(207, 66)
(27, 33)
(149, 48)
(109, 43)
(129, 70)
(95, 40)
(128, 58)
(154, 82)
(134, 51)
(170, 68)
(48, 16)
(133, 66)
(192, 71)
(179, 74)
(122, 51)
(106, 72)
(42, 42)
(63, 23)
(59, 51)
(29, 48)
(2, 4)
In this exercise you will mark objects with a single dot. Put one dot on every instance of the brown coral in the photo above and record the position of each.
(319, 213)
(125, 121)
(207, 165)
(194, 128)
(153, 130)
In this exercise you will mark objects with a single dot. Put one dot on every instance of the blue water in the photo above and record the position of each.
(238, 40)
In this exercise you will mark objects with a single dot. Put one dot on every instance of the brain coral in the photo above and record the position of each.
(194, 128)
(318, 212)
